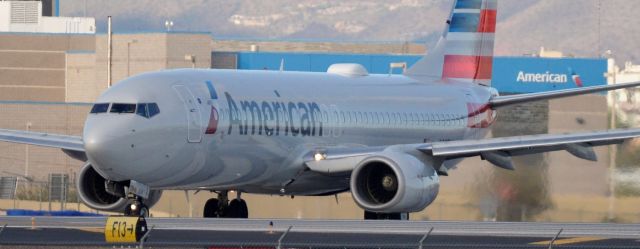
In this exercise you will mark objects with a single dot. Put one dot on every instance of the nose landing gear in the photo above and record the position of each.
(135, 193)
(137, 208)
(221, 207)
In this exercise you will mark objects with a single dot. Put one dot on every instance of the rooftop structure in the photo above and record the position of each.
(28, 16)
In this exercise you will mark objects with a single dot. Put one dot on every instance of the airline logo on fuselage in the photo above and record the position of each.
(274, 118)
(545, 77)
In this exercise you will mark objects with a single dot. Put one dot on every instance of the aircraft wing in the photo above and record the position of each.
(64, 142)
(497, 151)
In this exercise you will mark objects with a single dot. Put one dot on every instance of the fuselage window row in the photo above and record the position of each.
(369, 119)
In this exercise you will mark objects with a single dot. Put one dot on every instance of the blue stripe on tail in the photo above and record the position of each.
(464, 22)
(469, 4)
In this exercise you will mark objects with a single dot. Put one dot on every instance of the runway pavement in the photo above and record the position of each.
(201, 233)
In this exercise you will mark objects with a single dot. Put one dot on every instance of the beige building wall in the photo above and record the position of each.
(180, 45)
(81, 84)
(132, 54)
(333, 47)
(32, 66)
(144, 53)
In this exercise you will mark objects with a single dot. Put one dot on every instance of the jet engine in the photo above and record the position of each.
(394, 182)
(92, 189)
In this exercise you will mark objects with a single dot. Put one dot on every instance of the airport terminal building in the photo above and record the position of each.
(48, 81)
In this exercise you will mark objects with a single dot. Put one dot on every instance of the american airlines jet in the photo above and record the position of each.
(385, 138)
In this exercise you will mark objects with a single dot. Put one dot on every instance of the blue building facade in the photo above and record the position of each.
(534, 74)
(510, 74)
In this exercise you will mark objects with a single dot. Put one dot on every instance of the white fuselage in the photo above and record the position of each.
(265, 121)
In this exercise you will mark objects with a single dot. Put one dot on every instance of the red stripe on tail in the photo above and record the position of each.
(467, 67)
(487, 21)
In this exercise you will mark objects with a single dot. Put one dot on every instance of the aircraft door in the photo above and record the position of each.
(194, 119)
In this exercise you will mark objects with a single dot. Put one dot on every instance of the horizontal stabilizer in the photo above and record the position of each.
(501, 101)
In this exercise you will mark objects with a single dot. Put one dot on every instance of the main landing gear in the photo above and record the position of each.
(385, 216)
(221, 207)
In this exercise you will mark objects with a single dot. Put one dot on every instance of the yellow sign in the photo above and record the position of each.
(122, 229)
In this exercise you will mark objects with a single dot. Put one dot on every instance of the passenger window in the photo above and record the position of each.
(123, 108)
(100, 108)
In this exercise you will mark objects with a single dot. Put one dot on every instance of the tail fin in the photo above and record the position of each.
(465, 49)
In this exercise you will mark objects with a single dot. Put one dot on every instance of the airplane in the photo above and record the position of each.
(385, 138)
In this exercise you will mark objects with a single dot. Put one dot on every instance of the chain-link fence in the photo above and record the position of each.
(57, 192)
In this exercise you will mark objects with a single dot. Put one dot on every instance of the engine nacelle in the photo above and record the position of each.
(93, 192)
(394, 182)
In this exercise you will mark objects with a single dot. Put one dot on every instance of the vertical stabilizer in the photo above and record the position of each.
(465, 49)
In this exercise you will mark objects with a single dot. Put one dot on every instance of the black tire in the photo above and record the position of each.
(143, 211)
(383, 216)
(370, 215)
(392, 216)
(235, 209)
(244, 210)
(211, 209)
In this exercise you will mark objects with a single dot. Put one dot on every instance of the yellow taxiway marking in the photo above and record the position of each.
(91, 229)
(568, 241)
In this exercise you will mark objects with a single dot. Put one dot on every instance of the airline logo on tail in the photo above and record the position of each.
(468, 53)
(465, 49)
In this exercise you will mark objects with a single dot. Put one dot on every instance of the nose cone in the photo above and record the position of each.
(108, 148)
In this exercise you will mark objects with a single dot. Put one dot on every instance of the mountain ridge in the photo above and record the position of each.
(581, 28)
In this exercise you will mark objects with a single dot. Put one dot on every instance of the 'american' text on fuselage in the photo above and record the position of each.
(275, 118)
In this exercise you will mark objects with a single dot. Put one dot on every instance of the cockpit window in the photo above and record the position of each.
(100, 108)
(147, 110)
(153, 109)
(123, 108)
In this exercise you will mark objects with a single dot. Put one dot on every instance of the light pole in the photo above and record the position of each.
(128, 53)
(168, 25)
(611, 79)
(26, 153)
